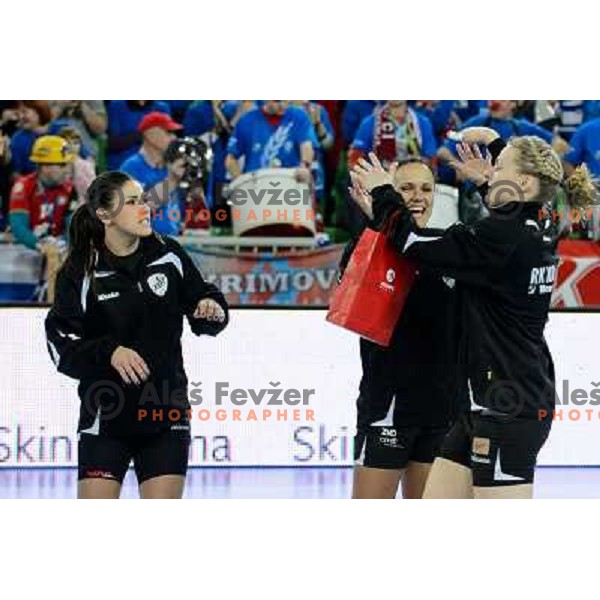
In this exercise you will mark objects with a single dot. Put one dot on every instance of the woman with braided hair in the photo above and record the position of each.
(504, 266)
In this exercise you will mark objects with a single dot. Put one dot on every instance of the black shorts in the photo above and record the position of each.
(104, 457)
(392, 447)
(500, 451)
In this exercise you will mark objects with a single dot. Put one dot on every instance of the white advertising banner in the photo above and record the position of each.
(277, 388)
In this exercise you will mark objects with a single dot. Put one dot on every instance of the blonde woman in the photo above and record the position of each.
(504, 266)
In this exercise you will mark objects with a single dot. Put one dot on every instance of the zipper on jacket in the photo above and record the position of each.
(140, 288)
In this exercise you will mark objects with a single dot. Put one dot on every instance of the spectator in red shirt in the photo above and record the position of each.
(41, 201)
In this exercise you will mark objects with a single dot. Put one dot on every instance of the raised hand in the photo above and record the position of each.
(361, 196)
(372, 174)
(472, 164)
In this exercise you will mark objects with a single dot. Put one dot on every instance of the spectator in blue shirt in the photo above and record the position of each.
(148, 164)
(87, 117)
(319, 117)
(34, 116)
(448, 114)
(166, 198)
(585, 148)
(353, 114)
(500, 118)
(394, 132)
(323, 140)
(214, 120)
(177, 108)
(203, 116)
(465, 109)
(274, 135)
(573, 113)
(124, 116)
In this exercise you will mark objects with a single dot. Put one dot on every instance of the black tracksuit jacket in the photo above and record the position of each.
(418, 368)
(138, 302)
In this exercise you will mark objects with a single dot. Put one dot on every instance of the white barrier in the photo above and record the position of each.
(298, 350)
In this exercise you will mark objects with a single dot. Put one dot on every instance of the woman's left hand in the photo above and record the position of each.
(210, 310)
(372, 174)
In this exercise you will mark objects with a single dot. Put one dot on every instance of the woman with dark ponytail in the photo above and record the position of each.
(116, 326)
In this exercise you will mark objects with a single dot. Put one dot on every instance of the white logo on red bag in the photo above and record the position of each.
(388, 285)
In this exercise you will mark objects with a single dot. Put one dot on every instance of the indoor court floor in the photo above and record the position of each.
(280, 482)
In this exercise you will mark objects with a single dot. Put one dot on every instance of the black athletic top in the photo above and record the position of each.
(417, 371)
(504, 266)
(137, 301)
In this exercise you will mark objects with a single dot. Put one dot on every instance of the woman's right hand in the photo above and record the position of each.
(130, 365)
(472, 164)
(361, 196)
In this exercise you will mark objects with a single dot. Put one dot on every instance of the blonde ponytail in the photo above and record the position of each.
(579, 188)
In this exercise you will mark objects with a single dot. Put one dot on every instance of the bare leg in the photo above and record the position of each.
(99, 489)
(505, 492)
(163, 487)
(414, 480)
(448, 479)
(370, 483)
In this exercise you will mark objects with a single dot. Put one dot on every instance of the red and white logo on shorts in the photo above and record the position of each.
(98, 474)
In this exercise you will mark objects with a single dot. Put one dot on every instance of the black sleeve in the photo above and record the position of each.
(494, 149)
(346, 256)
(468, 254)
(72, 353)
(194, 289)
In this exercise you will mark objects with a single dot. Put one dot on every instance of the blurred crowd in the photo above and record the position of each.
(186, 153)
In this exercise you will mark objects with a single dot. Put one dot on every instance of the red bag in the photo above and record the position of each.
(370, 298)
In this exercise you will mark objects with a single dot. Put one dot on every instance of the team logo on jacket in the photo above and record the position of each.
(390, 275)
(541, 280)
(158, 283)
